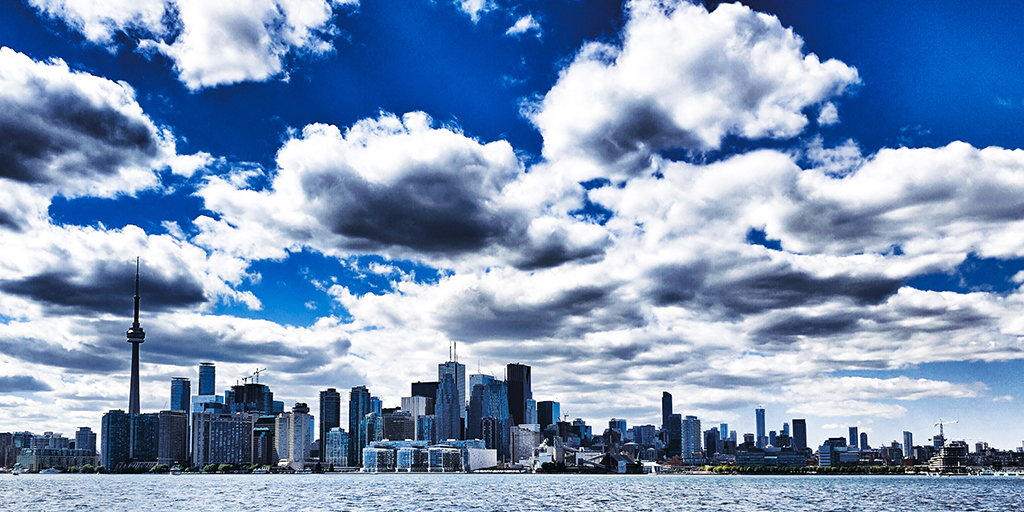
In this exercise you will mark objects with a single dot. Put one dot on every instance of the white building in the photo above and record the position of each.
(294, 435)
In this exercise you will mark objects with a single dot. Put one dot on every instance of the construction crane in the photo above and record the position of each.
(944, 422)
(256, 374)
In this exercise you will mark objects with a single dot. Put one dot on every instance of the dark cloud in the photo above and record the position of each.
(8, 221)
(479, 316)
(61, 133)
(556, 250)
(639, 129)
(813, 326)
(108, 288)
(768, 287)
(16, 383)
(86, 359)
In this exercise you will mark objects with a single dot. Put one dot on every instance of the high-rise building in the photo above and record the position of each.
(330, 414)
(479, 379)
(264, 442)
(712, 440)
(723, 430)
(427, 390)
(458, 372)
(250, 397)
(207, 379)
(399, 426)
(294, 435)
(519, 391)
(772, 439)
(785, 429)
(691, 442)
(864, 441)
(762, 439)
(85, 439)
(172, 442)
(488, 418)
(799, 434)
(908, 444)
(358, 408)
(666, 408)
(531, 411)
(145, 432)
(447, 409)
(335, 448)
(548, 412)
(136, 336)
(181, 395)
(854, 439)
(674, 435)
(222, 438)
(115, 439)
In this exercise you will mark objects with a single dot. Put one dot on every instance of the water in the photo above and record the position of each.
(508, 492)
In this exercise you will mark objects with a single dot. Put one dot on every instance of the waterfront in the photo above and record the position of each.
(431, 492)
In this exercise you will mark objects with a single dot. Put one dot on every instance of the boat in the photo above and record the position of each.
(176, 470)
(260, 471)
(50, 471)
(304, 472)
(17, 469)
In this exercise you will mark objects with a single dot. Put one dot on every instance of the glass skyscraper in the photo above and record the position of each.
(181, 394)
(207, 379)
(358, 408)
(330, 415)
(762, 440)
(519, 391)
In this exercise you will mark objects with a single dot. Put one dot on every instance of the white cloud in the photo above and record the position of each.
(210, 43)
(475, 8)
(524, 25)
(683, 78)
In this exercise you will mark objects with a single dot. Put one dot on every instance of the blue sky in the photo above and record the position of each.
(812, 206)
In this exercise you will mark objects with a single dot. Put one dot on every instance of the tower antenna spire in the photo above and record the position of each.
(135, 324)
(136, 336)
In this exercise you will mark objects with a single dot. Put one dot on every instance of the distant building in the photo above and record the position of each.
(181, 395)
(417, 406)
(489, 418)
(531, 411)
(330, 414)
(144, 436)
(864, 441)
(222, 438)
(399, 425)
(548, 412)
(85, 439)
(358, 408)
(426, 390)
(666, 408)
(951, 458)
(853, 440)
(674, 436)
(691, 448)
(172, 445)
(800, 434)
(524, 438)
(264, 441)
(908, 444)
(335, 448)
(458, 372)
(762, 439)
(519, 391)
(448, 408)
(207, 379)
(115, 439)
(249, 397)
(294, 436)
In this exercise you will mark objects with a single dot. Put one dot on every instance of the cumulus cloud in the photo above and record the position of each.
(210, 43)
(475, 8)
(75, 134)
(684, 78)
(523, 26)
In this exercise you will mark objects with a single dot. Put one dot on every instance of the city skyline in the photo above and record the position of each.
(815, 209)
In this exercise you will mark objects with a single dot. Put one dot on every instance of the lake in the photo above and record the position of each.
(486, 492)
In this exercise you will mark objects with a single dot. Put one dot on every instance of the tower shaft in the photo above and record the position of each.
(136, 336)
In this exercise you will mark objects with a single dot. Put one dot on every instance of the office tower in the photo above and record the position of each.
(144, 432)
(488, 418)
(785, 429)
(358, 408)
(399, 426)
(447, 409)
(427, 390)
(691, 439)
(371, 429)
(172, 443)
(772, 438)
(181, 394)
(458, 372)
(207, 379)
(761, 439)
(426, 428)
(335, 448)
(249, 397)
(854, 438)
(479, 379)
(293, 433)
(908, 444)
(712, 439)
(376, 405)
(417, 406)
(531, 411)
(136, 336)
(519, 391)
(264, 441)
(799, 434)
(222, 438)
(723, 430)
(666, 408)
(548, 412)
(330, 414)
(864, 441)
(85, 439)
(617, 424)
(115, 438)
(674, 443)
(748, 438)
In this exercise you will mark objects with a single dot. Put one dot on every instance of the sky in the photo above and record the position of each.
(815, 207)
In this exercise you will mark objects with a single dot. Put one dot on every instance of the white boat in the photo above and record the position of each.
(17, 469)
(260, 471)
(176, 470)
(50, 471)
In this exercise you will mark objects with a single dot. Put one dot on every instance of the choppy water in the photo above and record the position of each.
(507, 492)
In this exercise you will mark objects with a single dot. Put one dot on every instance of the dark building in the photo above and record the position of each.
(548, 412)
(448, 410)
(181, 394)
(172, 432)
(519, 391)
(399, 426)
(674, 436)
(145, 436)
(264, 448)
(358, 408)
(488, 418)
(426, 389)
(250, 397)
(799, 434)
(666, 408)
(136, 337)
(330, 415)
(115, 439)
(207, 379)
(85, 439)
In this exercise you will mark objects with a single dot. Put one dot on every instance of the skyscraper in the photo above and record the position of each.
(762, 440)
(674, 435)
(292, 434)
(519, 391)
(666, 408)
(864, 441)
(85, 439)
(207, 379)
(358, 407)
(854, 439)
(144, 436)
(136, 337)
(799, 434)
(446, 409)
(330, 415)
(172, 431)
(181, 394)
(548, 412)
(458, 373)
(115, 439)
(908, 444)
(691, 440)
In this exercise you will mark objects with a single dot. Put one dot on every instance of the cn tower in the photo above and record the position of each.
(136, 336)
